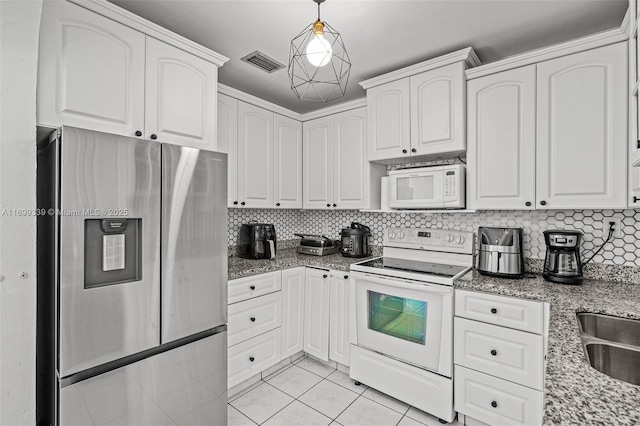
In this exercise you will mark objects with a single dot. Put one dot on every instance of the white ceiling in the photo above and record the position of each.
(380, 35)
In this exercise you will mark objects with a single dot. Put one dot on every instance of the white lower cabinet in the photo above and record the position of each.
(292, 311)
(316, 313)
(254, 286)
(253, 356)
(499, 357)
(253, 317)
(339, 344)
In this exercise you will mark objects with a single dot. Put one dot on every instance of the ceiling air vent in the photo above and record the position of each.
(262, 61)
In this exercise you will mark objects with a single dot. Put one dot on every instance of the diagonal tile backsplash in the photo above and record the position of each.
(619, 251)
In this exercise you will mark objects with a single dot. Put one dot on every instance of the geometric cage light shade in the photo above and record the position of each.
(319, 75)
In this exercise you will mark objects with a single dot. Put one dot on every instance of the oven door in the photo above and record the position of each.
(419, 190)
(403, 319)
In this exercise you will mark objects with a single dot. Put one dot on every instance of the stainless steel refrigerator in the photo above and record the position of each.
(132, 282)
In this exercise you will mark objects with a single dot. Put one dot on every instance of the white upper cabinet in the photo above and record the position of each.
(227, 129)
(288, 162)
(438, 111)
(318, 163)
(501, 130)
(582, 130)
(181, 94)
(389, 120)
(350, 165)
(91, 71)
(255, 156)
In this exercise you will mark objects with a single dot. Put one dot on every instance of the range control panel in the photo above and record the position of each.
(429, 239)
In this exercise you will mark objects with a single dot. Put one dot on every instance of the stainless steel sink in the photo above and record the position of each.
(615, 361)
(612, 329)
(611, 345)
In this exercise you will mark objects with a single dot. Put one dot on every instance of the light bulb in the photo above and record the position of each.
(319, 51)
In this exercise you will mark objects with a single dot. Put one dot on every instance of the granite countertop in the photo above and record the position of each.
(575, 393)
(285, 259)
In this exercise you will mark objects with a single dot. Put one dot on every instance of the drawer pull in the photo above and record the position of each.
(253, 319)
(253, 287)
(494, 311)
(346, 277)
(494, 404)
(251, 359)
(324, 276)
(494, 352)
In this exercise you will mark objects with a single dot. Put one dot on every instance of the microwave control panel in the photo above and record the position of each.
(450, 183)
(429, 239)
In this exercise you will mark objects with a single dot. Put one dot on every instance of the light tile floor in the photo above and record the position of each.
(310, 393)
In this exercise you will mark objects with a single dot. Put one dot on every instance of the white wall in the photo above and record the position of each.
(19, 28)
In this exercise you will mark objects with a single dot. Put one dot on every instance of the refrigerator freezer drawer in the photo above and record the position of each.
(253, 356)
(186, 385)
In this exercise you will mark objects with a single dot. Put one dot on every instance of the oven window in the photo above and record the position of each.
(415, 188)
(398, 317)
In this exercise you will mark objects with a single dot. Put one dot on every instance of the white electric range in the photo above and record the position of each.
(402, 316)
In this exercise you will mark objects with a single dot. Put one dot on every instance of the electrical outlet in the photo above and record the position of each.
(617, 233)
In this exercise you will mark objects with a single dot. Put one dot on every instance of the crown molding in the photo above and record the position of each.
(116, 13)
(593, 41)
(334, 109)
(625, 27)
(254, 100)
(467, 55)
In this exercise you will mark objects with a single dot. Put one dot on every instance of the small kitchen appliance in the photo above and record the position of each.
(402, 310)
(500, 252)
(355, 240)
(562, 262)
(257, 241)
(317, 245)
(435, 187)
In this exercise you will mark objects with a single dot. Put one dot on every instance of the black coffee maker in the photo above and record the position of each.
(562, 263)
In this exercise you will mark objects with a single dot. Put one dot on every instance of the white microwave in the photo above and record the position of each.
(436, 187)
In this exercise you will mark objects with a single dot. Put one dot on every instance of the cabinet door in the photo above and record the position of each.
(317, 151)
(389, 127)
(228, 142)
(350, 164)
(255, 156)
(91, 71)
(502, 146)
(292, 311)
(339, 317)
(288, 162)
(581, 130)
(181, 97)
(438, 110)
(316, 313)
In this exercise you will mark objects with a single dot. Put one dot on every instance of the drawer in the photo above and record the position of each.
(510, 312)
(254, 286)
(253, 356)
(495, 401)
(509, 354)
(252, 317)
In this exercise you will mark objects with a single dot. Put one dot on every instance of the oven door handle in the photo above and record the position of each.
(402, 283)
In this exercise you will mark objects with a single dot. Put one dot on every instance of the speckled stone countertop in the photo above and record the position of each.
(285, 259)
(575, 393)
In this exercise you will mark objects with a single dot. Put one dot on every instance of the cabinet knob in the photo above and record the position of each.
(253, 287)
(543, 203)
(494, 352)
(346, 277)
(277, 204)
(328, 205)
(494, 404)
(243, 203)
(138, 133)
(253, 319)
(404, 151)
(154, 136)
(494, 311)
(414, 150)
(235, 203)
(335, 205)
(324, 276)
(251, 359)
(528, 203)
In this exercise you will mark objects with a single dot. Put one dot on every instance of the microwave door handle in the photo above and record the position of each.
(272, 249)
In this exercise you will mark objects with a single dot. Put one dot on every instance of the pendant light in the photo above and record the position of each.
(318, 63)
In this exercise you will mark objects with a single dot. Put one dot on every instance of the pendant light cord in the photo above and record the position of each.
(318, 11)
